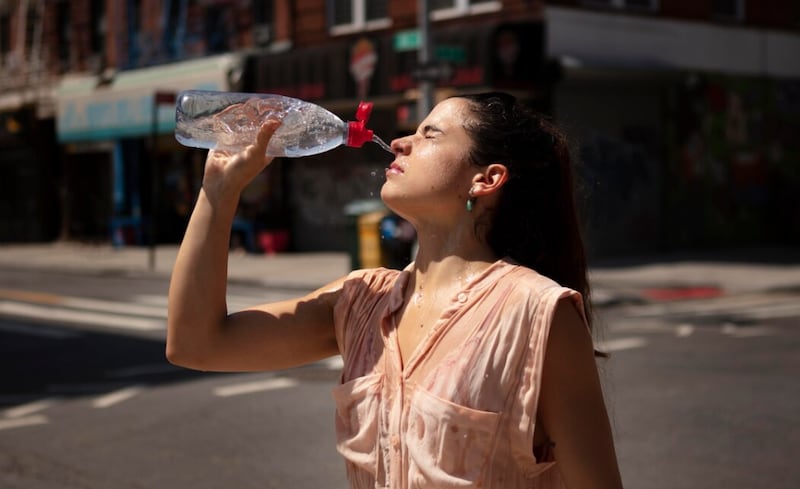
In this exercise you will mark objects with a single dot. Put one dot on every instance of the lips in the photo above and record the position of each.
(394, 169)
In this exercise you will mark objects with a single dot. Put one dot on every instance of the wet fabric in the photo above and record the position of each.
(461, 412)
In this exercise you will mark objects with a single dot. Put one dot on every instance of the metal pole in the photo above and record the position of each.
(425, 101)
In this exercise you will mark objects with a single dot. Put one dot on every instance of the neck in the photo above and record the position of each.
(449, 257)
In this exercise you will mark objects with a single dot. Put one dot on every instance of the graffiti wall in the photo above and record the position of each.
(735, 162)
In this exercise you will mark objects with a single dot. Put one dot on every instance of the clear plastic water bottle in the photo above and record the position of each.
(230, 121)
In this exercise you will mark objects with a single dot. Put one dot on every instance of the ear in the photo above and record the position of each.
(490, 180)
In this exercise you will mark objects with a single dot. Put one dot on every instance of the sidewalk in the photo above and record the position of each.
(613, 281)
(285, 270)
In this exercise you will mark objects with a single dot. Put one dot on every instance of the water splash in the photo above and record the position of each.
(380, 142)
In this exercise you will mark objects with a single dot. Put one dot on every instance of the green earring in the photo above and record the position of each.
(470, 200)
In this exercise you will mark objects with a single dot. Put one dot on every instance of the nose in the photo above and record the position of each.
(401, 146)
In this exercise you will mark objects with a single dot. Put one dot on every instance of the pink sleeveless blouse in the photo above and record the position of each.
(461, 412)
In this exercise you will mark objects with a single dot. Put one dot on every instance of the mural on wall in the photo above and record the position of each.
(735, 161)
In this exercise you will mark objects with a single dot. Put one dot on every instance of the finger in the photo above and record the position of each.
(265, 133)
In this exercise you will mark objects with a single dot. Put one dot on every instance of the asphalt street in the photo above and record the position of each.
(701, 387)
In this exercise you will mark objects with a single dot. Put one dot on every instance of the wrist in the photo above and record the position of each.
(221, 204)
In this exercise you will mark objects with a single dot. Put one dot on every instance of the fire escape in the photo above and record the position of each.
(24, 78)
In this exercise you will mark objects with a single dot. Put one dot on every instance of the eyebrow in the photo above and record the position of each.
(430, 128)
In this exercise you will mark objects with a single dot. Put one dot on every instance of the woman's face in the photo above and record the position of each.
(431, 173)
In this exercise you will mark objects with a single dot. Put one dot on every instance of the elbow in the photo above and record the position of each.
(183, 352)
(178, 356)
(185, 357)
(174, 355)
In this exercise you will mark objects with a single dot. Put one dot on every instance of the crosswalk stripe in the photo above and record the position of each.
(235, 302)
(115, 307)
(28, 408)
(252, 387)
(6, 424)
(621, 344)
(755, 307)
(745, 331)
(73, 316)
(116, 397)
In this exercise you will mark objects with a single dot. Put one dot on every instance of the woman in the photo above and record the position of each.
(445, 380)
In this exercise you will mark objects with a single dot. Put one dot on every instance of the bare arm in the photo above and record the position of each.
(200, 332)
(571, 406)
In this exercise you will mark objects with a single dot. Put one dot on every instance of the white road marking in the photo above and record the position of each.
(252, 387)
(748, 307)
(621, 344)
(115, 307)
(6, 424)
(28, 408)
(116, 397)
(66, 315)
(333, 363)
(235, 302)
(745, 331)
(684, 330)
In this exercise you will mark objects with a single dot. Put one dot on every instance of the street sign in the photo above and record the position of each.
(453, 54)
(406, 40)
(434, 71)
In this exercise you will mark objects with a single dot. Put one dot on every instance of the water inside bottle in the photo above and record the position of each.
(380, 142)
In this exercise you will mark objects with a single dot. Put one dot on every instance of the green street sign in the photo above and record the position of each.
(454, 54)
(406, 40)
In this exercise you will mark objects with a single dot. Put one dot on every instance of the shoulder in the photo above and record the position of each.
(372, 278)
(366, 284)
(528, 282)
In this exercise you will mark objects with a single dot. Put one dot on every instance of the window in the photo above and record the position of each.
(357, 15)
(64, 36)
(641, 5)
(444, 9)
(728, 9)
(5, 31)
(262, 22)
(98, 26)
(97, 36)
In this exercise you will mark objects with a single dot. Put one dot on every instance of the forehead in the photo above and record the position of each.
(449, 113)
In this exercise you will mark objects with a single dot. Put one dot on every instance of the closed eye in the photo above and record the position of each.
(431, 131)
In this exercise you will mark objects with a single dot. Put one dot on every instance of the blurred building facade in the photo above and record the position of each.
(685, 114)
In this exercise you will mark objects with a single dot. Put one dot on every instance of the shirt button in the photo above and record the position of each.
(462, 297)
(395, 441)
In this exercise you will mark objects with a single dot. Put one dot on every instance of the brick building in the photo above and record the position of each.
(683, 112)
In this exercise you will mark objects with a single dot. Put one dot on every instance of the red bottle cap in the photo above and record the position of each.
(357, 132)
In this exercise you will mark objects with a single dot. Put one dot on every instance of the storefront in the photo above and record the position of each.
(29, 176)
(682, 130)
(122, 166)
(382, 69)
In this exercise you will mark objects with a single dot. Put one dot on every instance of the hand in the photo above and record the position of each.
(227, 174)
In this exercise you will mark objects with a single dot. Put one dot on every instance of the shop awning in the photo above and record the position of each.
(89, 109)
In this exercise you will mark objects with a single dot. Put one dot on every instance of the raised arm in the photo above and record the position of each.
(571, 406)
(200, 332)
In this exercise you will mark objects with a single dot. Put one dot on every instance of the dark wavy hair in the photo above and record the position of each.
(536, 220)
